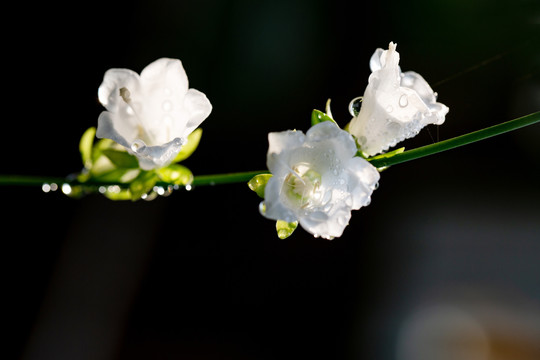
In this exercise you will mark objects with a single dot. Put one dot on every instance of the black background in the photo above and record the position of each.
(200, 274)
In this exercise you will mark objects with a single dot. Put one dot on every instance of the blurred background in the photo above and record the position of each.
(444, 263)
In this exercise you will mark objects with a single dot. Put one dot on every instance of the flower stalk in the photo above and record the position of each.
(240, 177)
(458, 141)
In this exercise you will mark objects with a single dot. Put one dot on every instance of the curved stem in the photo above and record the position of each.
(457, 141)
(238, 177)
(201, 180)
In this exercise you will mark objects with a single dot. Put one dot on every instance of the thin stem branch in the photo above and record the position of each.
(457, 141)
(238, 177)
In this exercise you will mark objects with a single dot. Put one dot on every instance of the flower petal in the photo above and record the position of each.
(151, 157)
(363, 180)
(109, 91)
(278, 143)
(326, 225)
(275, 208)
(395, 105)
(165, 74)
(106, 129)
(198, 107)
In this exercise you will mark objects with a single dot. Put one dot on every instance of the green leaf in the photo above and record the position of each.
(285, 229)
(142, 184)
(121, 159)
(318, 117)
(176, 174)
(188, 148)
(86, 145)
(258, 183)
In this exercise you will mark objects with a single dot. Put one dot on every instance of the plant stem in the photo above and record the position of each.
(457, 141)
(214, 179)
(229, 178)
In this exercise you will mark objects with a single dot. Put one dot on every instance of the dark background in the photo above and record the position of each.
(200, 274)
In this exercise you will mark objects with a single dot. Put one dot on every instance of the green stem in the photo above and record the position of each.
(218, 179)
(201, 180)
(457, 141)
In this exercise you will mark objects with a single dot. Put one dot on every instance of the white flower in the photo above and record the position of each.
(151, 115)
(317, 180)
(395, 105)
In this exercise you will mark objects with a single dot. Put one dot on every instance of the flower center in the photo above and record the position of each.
(302, 187)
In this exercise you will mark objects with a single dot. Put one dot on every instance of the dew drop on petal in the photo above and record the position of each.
(355, 105)
(166, 105)
(137, 145)
(262, 207)
(389, 108)
(403, 101)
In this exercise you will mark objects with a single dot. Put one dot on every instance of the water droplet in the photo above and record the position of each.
(102, 189)
(179, 141)
(375, 186)
(137, 145)
(262, 208)
(66, 188)
(46, 187)
(54, 187)
(389, 108)
(342, 220)
(188, 187)
(159, 190)
(361, 140)
(403, 101)
(167, 105)
(436, 94)
(115, 189)
(150, 196)
(355, 105)
(328, 207)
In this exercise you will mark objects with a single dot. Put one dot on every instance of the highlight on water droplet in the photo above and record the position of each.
(166, 105)
(137, 145)
(66, 188)
(159, 190)
(355, 105)
(403, 101)
(188, 187)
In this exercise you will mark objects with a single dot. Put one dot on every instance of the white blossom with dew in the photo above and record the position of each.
(317, 180)
(151, 115)
(395, 105)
